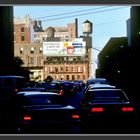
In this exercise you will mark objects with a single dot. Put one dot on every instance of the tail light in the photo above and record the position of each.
(61, 92)
(127, 109)
(17, 90)
(97, 109)
(27, 118)
(71, 90)
(75, 116)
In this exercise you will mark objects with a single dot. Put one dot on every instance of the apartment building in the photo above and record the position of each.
(29, 46)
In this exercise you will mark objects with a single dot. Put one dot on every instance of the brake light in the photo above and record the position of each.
(75, 116)
(17, 90)
(27, 118)
(97, 109)
(61, 92)
(126, 109)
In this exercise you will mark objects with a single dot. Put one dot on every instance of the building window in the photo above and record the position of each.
(62, 77)
(50, 69)
(56, 77)
(46, 68)
(73, 77)
(32, 60)
(84, 77)
(22, 38)
(84, 69)
(40, 50)
(61, 69)
(32, 50)
(72, 69)
(67, 77)
(21, 50)
(67, 68)
(79, 69)
(22, 29)
(78, 77)
(56, 69)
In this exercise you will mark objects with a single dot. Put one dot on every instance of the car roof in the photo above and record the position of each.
(94, 79)
(10, 76)
(101, 86)
(37, 93)
(112, 89)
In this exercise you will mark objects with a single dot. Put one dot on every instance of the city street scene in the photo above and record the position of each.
(69, 69)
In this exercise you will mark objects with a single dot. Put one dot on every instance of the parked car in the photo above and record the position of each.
(105, 107)
(45, 112)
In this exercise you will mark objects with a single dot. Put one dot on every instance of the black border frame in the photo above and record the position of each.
(69, 136)
(63, 2)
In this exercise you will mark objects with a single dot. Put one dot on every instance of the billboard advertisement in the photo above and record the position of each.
(64, 48)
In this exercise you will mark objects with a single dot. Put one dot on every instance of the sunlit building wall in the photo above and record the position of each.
(40, 65)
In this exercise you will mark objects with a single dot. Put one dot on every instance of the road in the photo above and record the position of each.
(106, 128)
(101, 128)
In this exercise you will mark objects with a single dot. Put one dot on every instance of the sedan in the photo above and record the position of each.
(32, 89)
(99, 86)
(107, 107)
(96, 81)
(45, 112)
(50, 87)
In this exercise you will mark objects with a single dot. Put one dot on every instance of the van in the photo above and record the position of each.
(11, 84)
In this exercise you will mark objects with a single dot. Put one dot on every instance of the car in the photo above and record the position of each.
(99, 86)
(52, 87)
(45, 112)
(32, 89)
(68, 87)
(106, 107)
(9, 86)
(11, 83)
(78, 85)
(96, 81)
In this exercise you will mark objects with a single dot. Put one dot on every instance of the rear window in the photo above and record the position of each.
(107, 95)
(12, 82)
(43, 100)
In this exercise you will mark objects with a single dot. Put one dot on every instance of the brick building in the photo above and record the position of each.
(28, 44)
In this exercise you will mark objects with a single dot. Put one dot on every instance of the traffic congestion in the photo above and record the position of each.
(65, 107)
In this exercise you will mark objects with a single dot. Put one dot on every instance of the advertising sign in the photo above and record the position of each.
(64, 48)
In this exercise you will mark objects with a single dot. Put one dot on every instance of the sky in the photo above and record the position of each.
(108, 20)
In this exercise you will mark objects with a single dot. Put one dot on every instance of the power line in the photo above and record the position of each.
(82, 14)
(71, 12)
(75, 12)
(114, 21)
(96, 49)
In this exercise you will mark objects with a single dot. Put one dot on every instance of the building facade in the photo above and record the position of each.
(28, 45)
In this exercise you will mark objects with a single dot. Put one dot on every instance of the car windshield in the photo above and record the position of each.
(43, 100)
(108, 95)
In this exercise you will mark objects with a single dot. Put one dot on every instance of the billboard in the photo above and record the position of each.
(64, 48)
